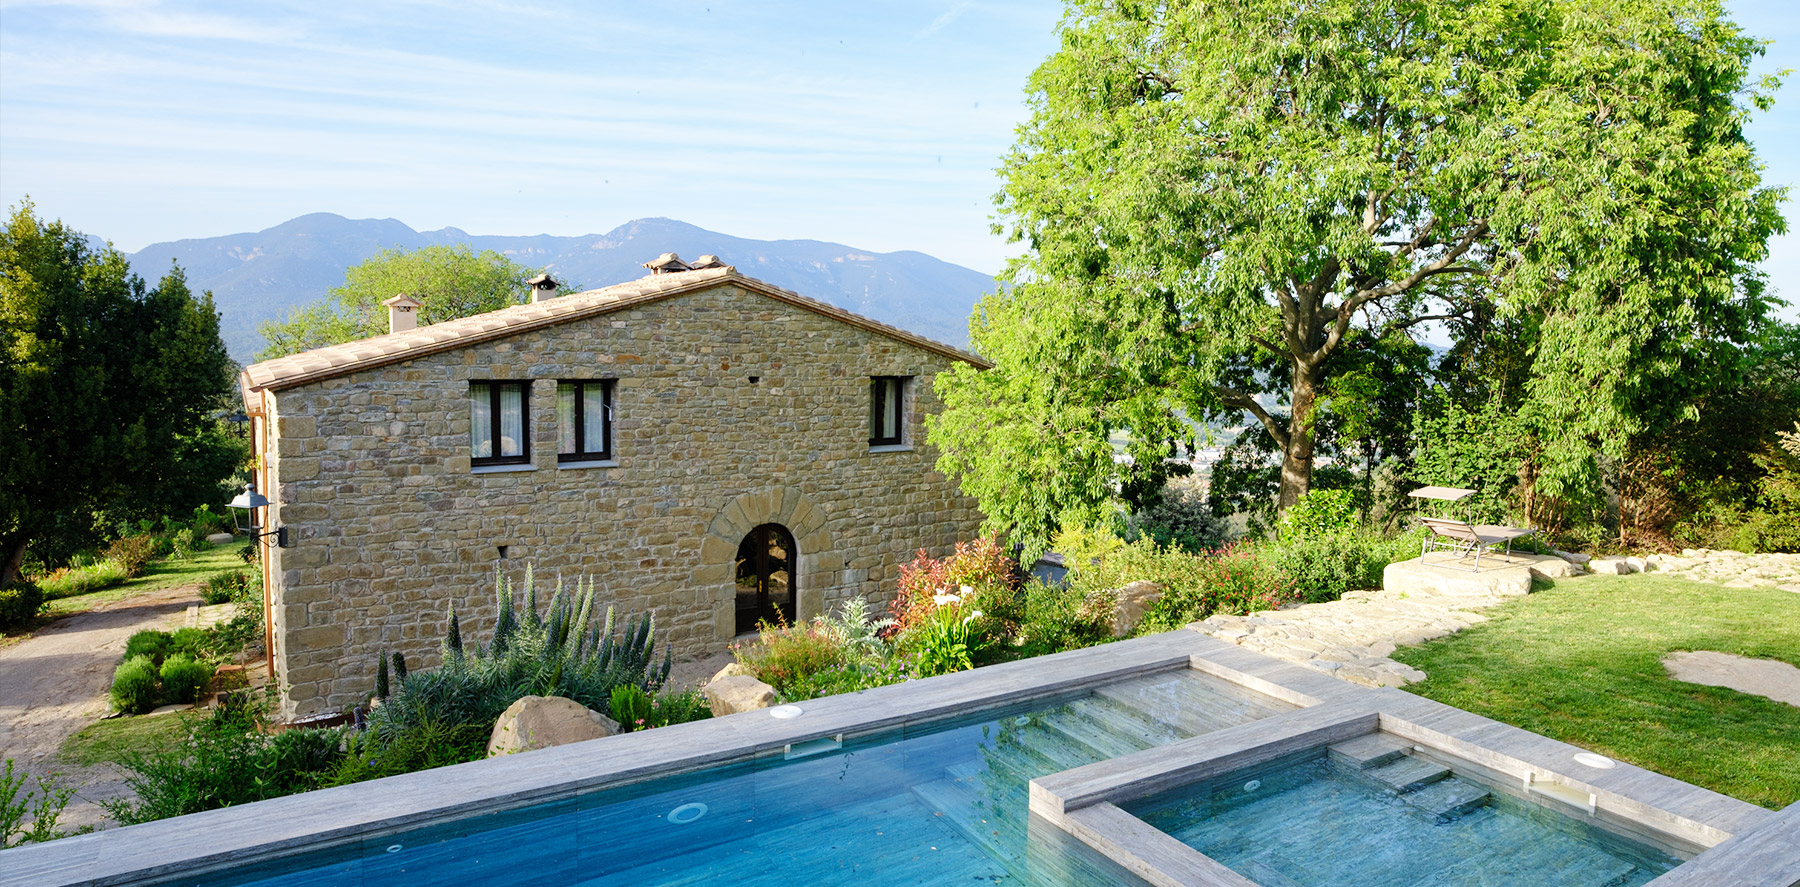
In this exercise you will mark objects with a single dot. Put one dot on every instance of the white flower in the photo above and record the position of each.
(967, 590)
(972, 617)
(943, 599)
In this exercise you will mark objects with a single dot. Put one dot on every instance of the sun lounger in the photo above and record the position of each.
(1469, 540)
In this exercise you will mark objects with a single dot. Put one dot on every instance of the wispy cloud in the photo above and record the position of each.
(952, 14)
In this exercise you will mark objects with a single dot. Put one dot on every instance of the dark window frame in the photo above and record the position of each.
(878, 389)
(582, 454)
(493, 389)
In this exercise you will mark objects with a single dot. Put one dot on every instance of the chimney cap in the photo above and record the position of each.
(666, 263)
(707, 261)
(403, 301)
(544, 278)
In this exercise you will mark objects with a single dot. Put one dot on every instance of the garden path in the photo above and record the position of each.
(55, 682)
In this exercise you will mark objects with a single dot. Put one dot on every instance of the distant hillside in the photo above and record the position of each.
(261, 276)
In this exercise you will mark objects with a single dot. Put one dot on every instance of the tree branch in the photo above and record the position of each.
(1444, 264)
(1242, 399)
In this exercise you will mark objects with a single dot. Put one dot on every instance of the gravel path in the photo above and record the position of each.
(54, 683)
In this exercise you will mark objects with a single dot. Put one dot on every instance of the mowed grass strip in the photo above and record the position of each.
(1581, 661)
(162, 573)
(110, 741)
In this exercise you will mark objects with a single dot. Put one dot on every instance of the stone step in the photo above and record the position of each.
(966, 809)
(1262, 869)
(1407, 774)
(1448, 799)
(1365, 752)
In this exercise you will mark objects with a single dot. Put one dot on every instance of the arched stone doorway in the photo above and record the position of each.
(767, 580)
(815, 567)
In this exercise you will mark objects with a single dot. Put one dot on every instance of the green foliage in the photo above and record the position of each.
(105, 392)
(1061, 618)
(837, 652)
(1180, 517)
(452, 281)
(132, 553)
(399, 667)
(424, 745)
(1322, 566)
(679, 707)
(630, 706)
(1480, 449)
(223, 588)
(149, 642)
(82, 578)
(19, 604)
(1212, 216)
(225, 760)
(1319, 513)
(190, 642)
(974, 568)
(134, 686)
(383, 686)
(31, 816)
(945, 642)
(561, 651)
(183, 678)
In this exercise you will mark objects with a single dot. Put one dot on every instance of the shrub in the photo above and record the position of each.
(183, 678)
(835, 653)
(1235, 580)
(223, 588)
(1181, 518)
(133, 553)
(40, 807)
(79, 579)
(1324, 552)
(149, 642)
(20, 602)
(1061, 618)
(784, 656)
(183, 543)
(975, 567)
(206, 522)
(191, 642)
(424, 745)
(134, 685)
(679, 707)
(948, 640)
(630, 706)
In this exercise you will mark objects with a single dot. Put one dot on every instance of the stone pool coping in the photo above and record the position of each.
(228, 838)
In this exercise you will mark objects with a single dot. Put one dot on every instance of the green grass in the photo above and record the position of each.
(163, 573)
(1581, 661)
(110, 740)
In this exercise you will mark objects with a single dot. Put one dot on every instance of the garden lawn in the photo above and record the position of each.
(1581, 661)
(109, 741)
(161, 573)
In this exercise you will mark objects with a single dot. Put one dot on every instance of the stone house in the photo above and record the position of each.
(702, 445)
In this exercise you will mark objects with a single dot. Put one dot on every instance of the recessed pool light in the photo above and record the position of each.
(394, 848)
(785, 712)
(1021, 721)
(687, 813)
(1590, 759)
(1252, 785)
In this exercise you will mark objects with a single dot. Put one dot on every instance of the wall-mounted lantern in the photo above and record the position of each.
(246, 503)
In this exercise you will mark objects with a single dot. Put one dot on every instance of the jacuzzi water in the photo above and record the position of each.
(1319, 823)
(942, 804)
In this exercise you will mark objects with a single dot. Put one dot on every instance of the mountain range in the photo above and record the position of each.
(261, 276)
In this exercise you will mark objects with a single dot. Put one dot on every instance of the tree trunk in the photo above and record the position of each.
(15, 557)
(1297, 456)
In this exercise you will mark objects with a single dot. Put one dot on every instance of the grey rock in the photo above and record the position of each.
(535, 722)
(737, 693)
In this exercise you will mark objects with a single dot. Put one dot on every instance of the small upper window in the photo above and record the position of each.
(497, 424)
(584, 415)
(887, 410)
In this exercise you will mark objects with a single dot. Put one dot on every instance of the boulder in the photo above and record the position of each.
(1545, 566)
(536, 722)
(1580, 560)
(735, 693)
(1611, 566)
(1415, 578)
(219, 538)
(735, 668)
(1133, 600)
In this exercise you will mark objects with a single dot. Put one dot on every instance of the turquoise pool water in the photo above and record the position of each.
(1320, 823)
(942, 804)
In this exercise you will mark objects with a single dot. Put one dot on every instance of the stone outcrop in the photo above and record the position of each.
(536, 722)
(1732, 569)
(735, 693)
(1133, 600)
(733, 669)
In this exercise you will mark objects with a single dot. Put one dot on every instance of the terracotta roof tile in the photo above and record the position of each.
(350, 357)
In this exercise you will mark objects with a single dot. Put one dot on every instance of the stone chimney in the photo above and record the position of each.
(403, 313)
(705, 262)
(667, 263)
(542, 287)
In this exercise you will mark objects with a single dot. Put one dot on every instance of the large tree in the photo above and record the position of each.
(106, 388)
(1205, 188)
(451, 281)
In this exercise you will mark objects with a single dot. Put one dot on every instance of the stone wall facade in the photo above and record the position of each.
(370, 472)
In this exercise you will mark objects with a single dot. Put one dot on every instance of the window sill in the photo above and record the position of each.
(891, 448)
(500, 469)
(597, 463)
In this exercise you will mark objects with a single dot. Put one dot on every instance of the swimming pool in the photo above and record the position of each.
(1009, 774)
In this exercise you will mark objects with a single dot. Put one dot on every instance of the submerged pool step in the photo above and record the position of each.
(1407, 774)
(1365, 752)
(1105, 743)
(1120, 717)
(1448, 799)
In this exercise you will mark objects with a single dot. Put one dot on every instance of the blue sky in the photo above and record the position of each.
(879, 128)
